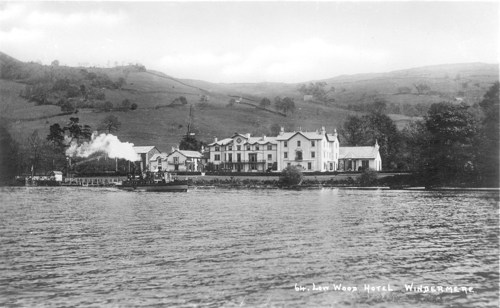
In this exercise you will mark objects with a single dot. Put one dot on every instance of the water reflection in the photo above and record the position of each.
(68, 247)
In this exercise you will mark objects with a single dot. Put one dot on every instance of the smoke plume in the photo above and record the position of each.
(103, 143)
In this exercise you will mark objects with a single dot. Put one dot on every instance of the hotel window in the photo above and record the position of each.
(217, 149)
(313, 143)
(269, 156)
(285, 154)
(269, 147)
(309, 166)
(257, 147)
(298, 155)
(176, 160)
(270, 166)
(288, 164)
(238, 148)
(217, 157)
(298, 143)
(230, 157)
(313, 154)
(248, 148)
(286, 144)
(230, 148)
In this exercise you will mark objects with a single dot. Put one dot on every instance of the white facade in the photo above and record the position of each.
(177, 160)
(158, 162)
(360, 158)
(145, 153)
(312, 151)
(243, 153)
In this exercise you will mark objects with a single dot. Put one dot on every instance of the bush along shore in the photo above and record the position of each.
(292, 179)
(365, 180)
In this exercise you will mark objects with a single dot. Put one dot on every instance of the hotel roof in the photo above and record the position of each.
(193, 154)
(308, 135)
(143, 149)
(358, 152)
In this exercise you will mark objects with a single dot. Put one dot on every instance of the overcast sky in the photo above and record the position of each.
(252, 41)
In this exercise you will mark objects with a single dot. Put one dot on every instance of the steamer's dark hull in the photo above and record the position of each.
(177, 186)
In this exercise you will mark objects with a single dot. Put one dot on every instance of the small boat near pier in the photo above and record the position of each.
(155, 182)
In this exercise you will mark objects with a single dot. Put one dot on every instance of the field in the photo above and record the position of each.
(156, 123)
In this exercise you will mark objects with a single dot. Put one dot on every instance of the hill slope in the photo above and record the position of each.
(157, 122)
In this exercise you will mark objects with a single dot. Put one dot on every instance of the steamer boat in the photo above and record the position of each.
(157, 182)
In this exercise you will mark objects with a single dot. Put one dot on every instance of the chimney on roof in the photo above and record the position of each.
(264, 137)
(282, 130)
(323, 131)
(335, 132)
(215, 139)
(248, 135)
(172, 150)
(376, 144)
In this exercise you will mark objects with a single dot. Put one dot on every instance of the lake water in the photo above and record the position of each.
(248, 248)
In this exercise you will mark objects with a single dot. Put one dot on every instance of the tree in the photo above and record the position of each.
(378, 106)
(277, 103)
(133, 106)
(190, 143)
(275, 129)
(181, 100)
(452, 130)
(55, 63)
(76, 131)
(56, 135)
(265, 102)
(107, 106)
(368, 177)
(66, 106)
(121, 81)
(126, 105)
(354, 131)
(204, 98)
(371, 128)
(110, 124)
(404, 90)
(316, 89)
(415, 145)
(286, 104)
(422, 88)
(487, 142)
(291, 176)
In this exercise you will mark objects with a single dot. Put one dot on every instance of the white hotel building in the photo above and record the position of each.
(312, 151)
(243, 153)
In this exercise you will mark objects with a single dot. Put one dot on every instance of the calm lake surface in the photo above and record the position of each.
(63, 247)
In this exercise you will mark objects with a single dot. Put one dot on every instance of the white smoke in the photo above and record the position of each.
(103, 143)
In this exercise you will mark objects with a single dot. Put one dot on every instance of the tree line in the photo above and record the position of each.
(455, 144)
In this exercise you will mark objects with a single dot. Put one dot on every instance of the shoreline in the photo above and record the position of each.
(312, 187)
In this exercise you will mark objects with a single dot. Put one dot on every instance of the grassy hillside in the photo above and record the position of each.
(155, 122)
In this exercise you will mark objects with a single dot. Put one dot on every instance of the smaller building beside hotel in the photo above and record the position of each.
(177, 160)
(360, 158)
(145, 153)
